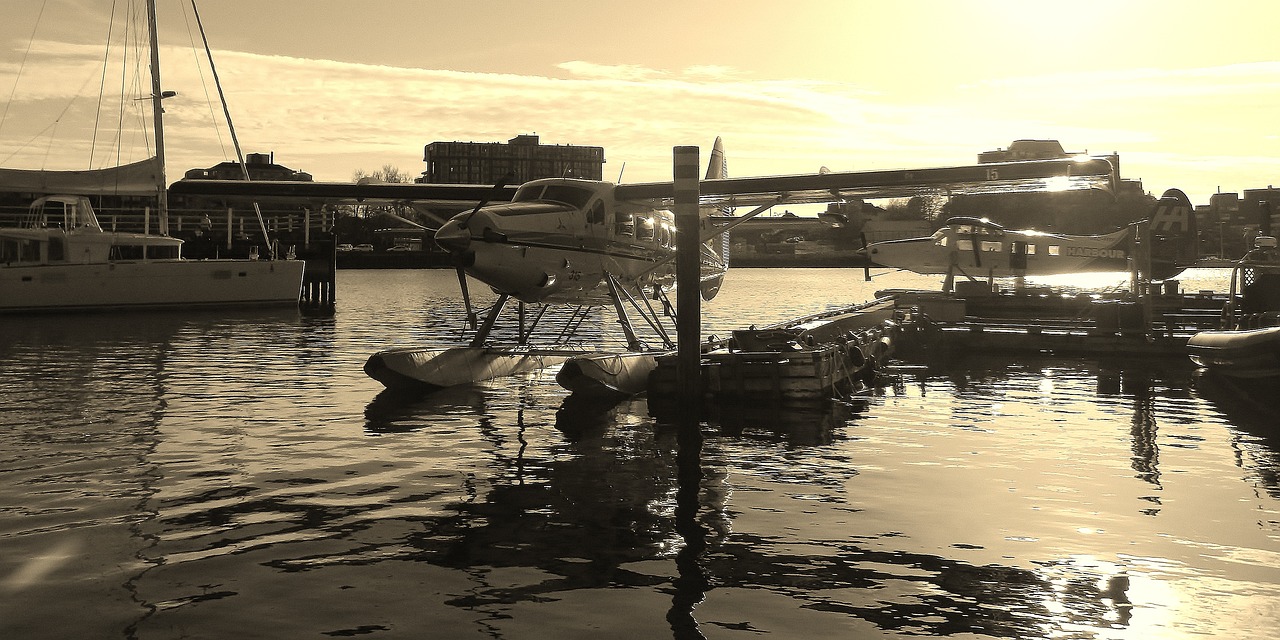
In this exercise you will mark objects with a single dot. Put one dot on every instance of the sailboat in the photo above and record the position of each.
(59, 258)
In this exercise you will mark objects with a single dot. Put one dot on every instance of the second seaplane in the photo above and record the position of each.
(578, 245)
(1166, 242)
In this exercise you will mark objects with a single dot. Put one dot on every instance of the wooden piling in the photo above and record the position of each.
(688, 277)
(319, 279)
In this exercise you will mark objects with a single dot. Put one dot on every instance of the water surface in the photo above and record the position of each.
(236, 475)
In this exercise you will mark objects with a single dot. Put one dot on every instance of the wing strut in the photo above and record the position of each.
(482, 334)
(615, 292)
(466, 297)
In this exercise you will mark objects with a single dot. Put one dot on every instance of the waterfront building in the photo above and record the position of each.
(260, 166)
(523, 156)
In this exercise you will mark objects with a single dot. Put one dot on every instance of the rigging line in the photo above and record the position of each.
(204, 84)
(102, 84)
(51, 126)
(226, 111)
(124, 65)
(14, 90)
(58, 120)
(141, 86)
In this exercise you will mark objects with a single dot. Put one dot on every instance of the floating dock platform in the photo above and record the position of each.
(841, 352)
(1040, 320)
(815, 357)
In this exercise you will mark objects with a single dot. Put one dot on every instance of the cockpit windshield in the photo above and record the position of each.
(571, 195)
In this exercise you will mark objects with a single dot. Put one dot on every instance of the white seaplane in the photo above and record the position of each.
(587, 243)
(977, 247)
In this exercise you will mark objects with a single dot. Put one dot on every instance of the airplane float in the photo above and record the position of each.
(977, 247)
(583, 243)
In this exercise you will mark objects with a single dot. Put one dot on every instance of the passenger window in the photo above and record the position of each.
(988, 245)
(625, 225)
(964, 245)
(596, 215)
(644, 230)
(1053, 249)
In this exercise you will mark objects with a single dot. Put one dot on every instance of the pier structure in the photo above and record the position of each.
(319, 279)
(844, 352)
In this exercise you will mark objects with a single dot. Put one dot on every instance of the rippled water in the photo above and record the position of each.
(216, 476)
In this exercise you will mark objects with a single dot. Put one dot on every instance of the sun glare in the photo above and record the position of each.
(1057, 183)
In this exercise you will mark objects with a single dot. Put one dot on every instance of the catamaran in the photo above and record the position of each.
(59, 257)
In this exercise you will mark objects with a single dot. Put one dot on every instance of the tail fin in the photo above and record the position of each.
(717, 167)
(1174, 240)
(715, 251)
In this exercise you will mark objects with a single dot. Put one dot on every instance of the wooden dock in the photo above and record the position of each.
(840, 352)
(810, 358)
(319, 278)
(1040, 321)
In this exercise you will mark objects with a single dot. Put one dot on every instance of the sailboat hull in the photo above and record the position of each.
(149, 284)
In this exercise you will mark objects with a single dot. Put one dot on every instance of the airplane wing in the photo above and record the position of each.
(996, 177)
(434, 196)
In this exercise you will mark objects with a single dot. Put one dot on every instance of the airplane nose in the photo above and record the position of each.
(453, 237)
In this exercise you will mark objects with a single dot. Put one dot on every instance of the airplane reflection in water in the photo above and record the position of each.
(588, 243)
(586, 534)
(979, 248)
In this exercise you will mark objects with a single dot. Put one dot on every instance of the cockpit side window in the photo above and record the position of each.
(596, 214)
(528, 193)
(574, 196)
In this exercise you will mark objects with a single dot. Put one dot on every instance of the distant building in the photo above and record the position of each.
(523, 156)
(1251, 205)
(261, 166)
(1026, 150)
(210, 224)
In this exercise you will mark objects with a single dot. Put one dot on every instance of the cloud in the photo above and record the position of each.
(331, 118)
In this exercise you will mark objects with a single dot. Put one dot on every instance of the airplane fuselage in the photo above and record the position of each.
(558, 238)
(983, 249)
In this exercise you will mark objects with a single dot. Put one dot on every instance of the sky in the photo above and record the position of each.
(1187, 93)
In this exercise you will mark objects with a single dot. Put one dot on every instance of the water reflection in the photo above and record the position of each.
(248, 480)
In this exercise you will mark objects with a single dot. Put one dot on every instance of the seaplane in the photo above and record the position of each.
(588, 244)
(977, 247)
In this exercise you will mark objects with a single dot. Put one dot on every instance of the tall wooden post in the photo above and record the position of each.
(691, 585)
(688, 276)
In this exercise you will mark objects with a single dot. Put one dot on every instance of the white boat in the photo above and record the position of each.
(64, 261)
(59, 258)
(1248, 344)
(1244, 353)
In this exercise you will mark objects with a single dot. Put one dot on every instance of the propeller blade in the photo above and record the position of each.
(977, 253)
(497, 186)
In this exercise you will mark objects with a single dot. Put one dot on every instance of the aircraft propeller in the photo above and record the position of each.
(497, 186)
(456, 245)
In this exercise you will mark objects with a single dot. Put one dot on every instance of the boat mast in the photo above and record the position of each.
(162, 195)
